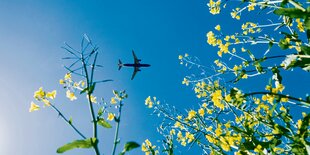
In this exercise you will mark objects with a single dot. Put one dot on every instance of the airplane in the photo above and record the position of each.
(136, 65)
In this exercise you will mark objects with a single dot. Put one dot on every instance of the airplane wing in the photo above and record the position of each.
(135, 72)
(136, 60)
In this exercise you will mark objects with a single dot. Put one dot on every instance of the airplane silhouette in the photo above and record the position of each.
(136, 65)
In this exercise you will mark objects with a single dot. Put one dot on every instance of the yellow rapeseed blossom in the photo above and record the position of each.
(39, 94)
(204, 105)
(68, 76)
(209, 128)
(214, 7)
(185, 81)
(218, 27)
(300, 25)
(258, 148)
(218, 131)
(228, 98)
(113, 100)
(251, 6)
(51, 95)
(189, 136)
(284, 99)
(172, 132)
(211, 139)
(244, 76)
(149, 102)
(110, 116)
(61, 81)
(180, 57)
(191, 114)
(93, 99)
(33, 107)
(201, 112)
(211, 38)
(299, 123)
(217, 98)
(70, 95)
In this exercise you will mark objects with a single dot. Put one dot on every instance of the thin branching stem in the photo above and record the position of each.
(94, 121)
(67, 121)
(118, 120)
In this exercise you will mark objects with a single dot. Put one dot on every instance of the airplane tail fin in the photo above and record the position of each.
(120, 64)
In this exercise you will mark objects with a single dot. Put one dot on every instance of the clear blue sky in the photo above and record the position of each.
(32, 32)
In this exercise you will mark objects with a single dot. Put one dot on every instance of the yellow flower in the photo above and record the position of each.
(33, 107)
(209, 128)
(201, 112)
(51, 95)
(284, 99)
(186, 55)
(113, 100)
(300, 25)
(179, 117)
(39, 94)
(228, 98)
(258, 148)
(149, 102)
(185, 81)
(217, 98)
(244, 76)
(211, 38)
(299, 123)
(218, 27)
(68, 76)
(218, 131)
(144, 148)
(191, 114)
(204, 105)
(93, 99)
(180, 57)
(61, 81)
(110, 116)
(172, 132)
(251, 7)
(70, 95)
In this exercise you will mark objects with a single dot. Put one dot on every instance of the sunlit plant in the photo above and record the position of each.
(228, 119)
(83, 67)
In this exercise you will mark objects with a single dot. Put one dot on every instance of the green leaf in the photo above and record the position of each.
(91, 88)
(100, 111)
(70, 120)
(84, 90)
(104, 123)
(307, 23)
(87, 143)
(291, 12)
(283, 44)
(129, 146)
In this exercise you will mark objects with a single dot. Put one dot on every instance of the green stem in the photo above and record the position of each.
(118, 120)
(67, 121)
(94, 121)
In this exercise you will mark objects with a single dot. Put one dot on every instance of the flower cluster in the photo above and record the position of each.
(148, 148)
(42, 96)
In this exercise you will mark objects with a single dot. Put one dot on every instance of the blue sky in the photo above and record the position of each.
(32, 32)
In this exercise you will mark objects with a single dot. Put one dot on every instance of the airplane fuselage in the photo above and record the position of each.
(137, 65)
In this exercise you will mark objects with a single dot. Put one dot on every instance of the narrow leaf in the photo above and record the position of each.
(104, 123)
(130, 145)
(87, 143)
